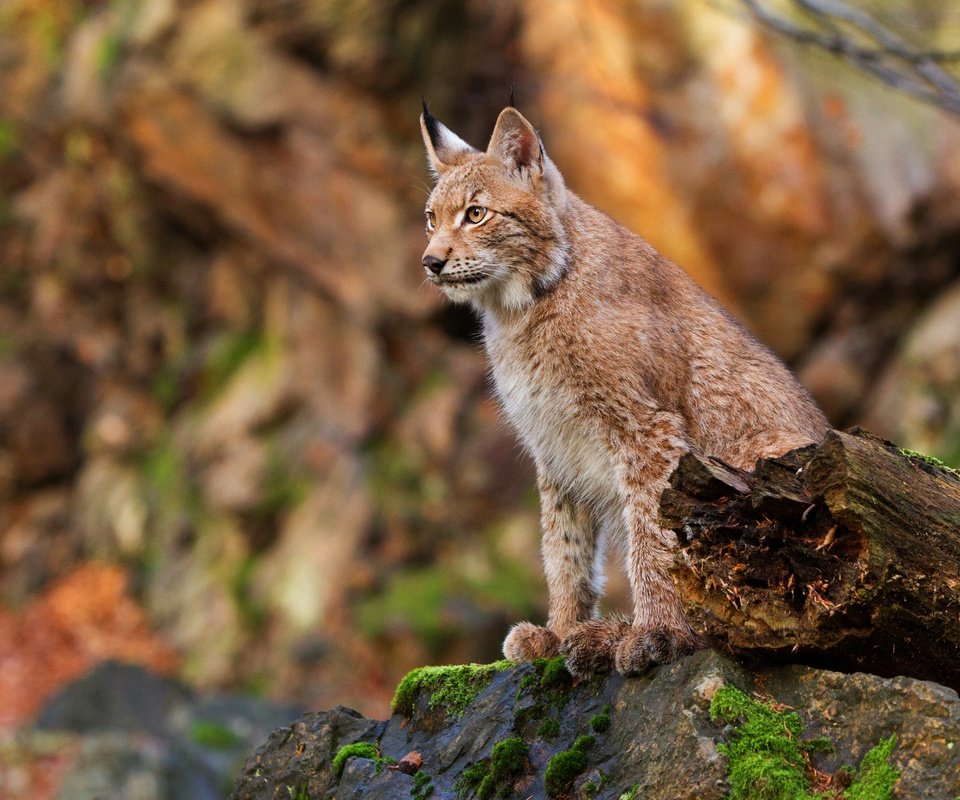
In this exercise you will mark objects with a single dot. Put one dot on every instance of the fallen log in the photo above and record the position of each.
(844, 555)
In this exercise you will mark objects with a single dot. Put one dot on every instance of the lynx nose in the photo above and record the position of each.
(434, 264)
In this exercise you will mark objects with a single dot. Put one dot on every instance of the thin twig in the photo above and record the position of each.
(880, 52)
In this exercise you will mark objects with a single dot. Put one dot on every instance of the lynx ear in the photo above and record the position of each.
(444, 148)
(516, 143)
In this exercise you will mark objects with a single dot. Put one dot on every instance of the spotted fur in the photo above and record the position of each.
(610, 363)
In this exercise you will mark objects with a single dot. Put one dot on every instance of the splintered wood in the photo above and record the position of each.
(844, 554)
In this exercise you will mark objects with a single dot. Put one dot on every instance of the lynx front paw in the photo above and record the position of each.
(527, 642)
(592, 646)
(641, 648)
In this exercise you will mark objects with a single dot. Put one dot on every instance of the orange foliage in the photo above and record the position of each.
(84, 618)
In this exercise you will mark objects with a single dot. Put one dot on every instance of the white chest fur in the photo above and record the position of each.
(541, 403)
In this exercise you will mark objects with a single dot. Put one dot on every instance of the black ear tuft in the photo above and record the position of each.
(444, 148)
(433, 129)
(511, 103)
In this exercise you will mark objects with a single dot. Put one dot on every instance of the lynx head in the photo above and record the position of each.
(496, 239)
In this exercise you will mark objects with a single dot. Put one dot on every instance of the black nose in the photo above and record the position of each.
(434, 264)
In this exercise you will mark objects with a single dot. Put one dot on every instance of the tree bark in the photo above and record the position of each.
(845, 555)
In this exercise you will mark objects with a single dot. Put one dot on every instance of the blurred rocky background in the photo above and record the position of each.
(243, 445)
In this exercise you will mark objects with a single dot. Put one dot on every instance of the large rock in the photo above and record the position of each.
(659, 740)
(134, 735)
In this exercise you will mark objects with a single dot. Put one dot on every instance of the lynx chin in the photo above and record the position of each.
(610, 363)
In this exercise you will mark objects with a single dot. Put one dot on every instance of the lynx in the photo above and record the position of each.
(611, 363)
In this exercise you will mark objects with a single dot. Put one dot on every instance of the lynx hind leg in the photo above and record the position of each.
(660, 632)
(528, 642)
(591, 647)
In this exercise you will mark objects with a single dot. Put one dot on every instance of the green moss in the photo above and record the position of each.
(631, 793)
(876, 776)
(590, 789)
(213, 735)
(525, 716)
(380, 763)
(495, 776)
(415, 600)
(932, 461)
(769, 761)
(301, 794)
(508, 757)
(766, 757)
(562, 769)
(601, 722)
(549, 729)
(422, 599)
(358, 750)
(473, 778)
(452, 688)
(422, 786)
(553, 673)
(549, 680)
(566, 765)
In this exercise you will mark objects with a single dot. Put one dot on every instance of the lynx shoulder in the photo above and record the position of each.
(610, 363)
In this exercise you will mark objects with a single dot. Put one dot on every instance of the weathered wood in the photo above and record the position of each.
(845, 554)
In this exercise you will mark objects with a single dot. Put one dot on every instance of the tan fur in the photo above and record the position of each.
(610, 363)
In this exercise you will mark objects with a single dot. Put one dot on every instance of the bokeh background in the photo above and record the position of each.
(242, 443)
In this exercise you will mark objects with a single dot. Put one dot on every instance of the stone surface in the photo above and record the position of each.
(135, 735)
(660, 739)
(117, 697)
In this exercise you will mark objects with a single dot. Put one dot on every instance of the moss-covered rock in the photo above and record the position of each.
(769, 760)
(690, 729)
(601, 722)
(567, 765)
(495, 776)
(451, 688)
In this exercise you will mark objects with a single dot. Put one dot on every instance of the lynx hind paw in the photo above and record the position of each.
(591, 647)
(641, 648)
(528, 642)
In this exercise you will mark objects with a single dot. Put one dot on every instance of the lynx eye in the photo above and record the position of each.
(431, 220)
(475, 214)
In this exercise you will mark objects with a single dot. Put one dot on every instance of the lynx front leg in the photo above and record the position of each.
(569, 549)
